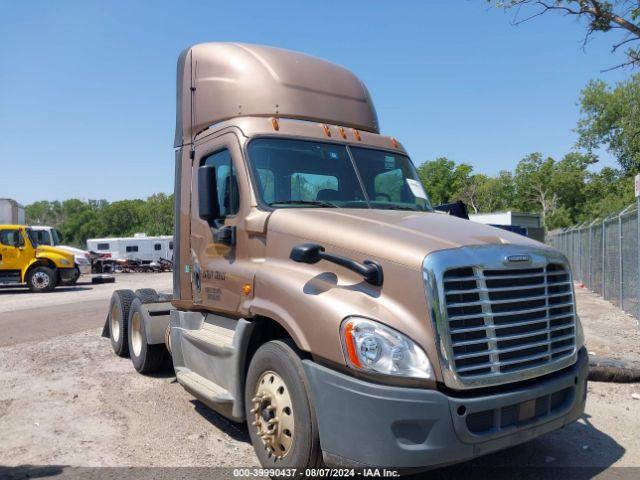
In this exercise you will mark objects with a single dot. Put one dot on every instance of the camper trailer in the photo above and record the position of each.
(138, 247)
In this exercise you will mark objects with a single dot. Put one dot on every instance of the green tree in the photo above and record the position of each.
(443, 179)
(43, 213)
(157, 214)
(123, 218)
(497, 193)
(606, 192)
(554, 189)
(611, 118)
(470, 190)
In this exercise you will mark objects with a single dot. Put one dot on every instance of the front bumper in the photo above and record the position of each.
(85, 269)
(366, 424)
(67, 274)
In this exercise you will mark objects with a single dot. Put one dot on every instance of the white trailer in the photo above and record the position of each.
(138, 247)
(11, 212)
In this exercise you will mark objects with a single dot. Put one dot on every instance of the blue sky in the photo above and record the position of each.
(87, 88)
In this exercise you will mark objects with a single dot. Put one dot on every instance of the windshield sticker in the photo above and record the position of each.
(416, 188)
(389, 162)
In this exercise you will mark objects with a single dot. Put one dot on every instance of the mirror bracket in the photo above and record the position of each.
(312, 253)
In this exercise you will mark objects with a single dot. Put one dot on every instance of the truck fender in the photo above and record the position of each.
(41, 260)
(155, 319)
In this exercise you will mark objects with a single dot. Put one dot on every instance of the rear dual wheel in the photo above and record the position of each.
(118, 321)
(145, 358)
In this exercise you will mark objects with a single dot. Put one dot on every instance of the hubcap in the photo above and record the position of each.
(136, 334)
(115, 325)
(272, 414)
(41, 280)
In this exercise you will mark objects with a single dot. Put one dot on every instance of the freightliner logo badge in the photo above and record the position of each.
(522, 258)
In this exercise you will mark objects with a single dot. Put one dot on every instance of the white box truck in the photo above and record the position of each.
(11, 212)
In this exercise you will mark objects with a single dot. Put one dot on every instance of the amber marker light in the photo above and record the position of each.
(394, 142)
(343, 134)
(357, 134)
(246, 289)
(350, 343)
(327, 132)
(274, 123)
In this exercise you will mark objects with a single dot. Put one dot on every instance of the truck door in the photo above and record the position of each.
(12, 253)
(215, 281)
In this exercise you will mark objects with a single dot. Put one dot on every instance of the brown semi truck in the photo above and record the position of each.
(317, 295)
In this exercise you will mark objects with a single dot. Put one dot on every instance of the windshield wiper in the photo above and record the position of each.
(316, 203)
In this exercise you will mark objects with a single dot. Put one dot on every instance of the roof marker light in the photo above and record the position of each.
(394, 142)
(327, 132)
(343, 134)
(274, 123)
(357, 134)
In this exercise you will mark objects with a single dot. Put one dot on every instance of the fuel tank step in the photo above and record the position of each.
(208, 392)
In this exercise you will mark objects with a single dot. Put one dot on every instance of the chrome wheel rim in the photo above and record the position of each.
(136, 334)
(115, 325)
(41, 280)
(272, 414)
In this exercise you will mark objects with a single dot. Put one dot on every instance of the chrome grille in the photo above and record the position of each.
(504, 320)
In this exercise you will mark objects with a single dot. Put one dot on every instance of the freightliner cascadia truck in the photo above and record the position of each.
(317, 295)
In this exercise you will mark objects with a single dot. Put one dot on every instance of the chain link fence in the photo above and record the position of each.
(604, 257)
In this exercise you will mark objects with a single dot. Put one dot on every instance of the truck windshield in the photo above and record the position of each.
(296, 173)
(56, 237)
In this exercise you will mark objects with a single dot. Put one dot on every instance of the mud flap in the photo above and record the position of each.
(105, 330)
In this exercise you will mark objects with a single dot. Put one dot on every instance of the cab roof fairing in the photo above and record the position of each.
(220, 81)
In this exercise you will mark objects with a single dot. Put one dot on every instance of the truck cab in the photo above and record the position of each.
(24, 260)
(318, 296)
(50, 236)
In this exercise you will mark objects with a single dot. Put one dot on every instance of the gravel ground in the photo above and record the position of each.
(68, 400)
(19, 298)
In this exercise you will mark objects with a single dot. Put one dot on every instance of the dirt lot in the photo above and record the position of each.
(67, 400)
(25, 316)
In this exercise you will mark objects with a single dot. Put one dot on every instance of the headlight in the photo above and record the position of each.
(80, 260)
(376, 348)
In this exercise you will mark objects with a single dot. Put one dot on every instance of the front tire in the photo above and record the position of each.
(42, 279)
(118, 321)
(280, 416)
(74, 280)
(145, 358)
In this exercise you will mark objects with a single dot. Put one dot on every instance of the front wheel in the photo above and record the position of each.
(74, 279)
(280, 416)
(42, 279)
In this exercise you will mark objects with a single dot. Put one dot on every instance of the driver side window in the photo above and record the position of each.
(226, 182)
(11, 238)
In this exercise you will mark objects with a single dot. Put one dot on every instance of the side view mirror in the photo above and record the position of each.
(313, 253)
(208, 207)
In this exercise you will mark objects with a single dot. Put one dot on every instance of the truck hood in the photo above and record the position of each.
(402, 237)
(46, 249)
(73, 250)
